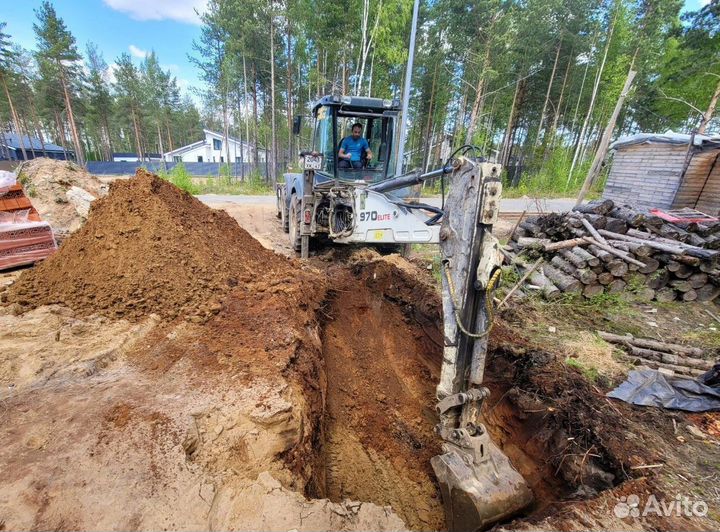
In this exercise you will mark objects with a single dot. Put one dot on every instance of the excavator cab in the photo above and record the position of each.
(334, 117)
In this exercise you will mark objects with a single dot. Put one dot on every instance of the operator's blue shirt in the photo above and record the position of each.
(355, 147)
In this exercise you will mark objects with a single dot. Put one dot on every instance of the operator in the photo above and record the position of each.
(352, 149)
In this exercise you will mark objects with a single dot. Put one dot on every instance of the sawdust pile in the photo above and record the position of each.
(61, 191)
(148, 248)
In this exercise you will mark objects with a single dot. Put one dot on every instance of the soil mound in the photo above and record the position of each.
(149, 247)
(61, 191)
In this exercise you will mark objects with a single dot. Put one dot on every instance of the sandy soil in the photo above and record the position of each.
(297, 400)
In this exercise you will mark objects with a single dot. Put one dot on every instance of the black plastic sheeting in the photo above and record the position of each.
(649, 387)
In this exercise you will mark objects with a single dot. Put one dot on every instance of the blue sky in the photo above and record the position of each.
(134, 26)
(117, 26)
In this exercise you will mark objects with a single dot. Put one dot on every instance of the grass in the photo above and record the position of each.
(589, 372)
(225, 183)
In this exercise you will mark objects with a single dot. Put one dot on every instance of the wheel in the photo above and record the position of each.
(294, 224)
(284, 216)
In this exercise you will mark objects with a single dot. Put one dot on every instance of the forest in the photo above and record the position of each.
(531, 83)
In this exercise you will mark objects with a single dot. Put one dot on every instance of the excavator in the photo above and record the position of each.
(367, 203)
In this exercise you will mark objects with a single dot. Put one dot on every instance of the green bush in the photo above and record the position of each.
(180, 177)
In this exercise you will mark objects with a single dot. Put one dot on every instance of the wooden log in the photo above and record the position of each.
(595, 207)
(708, 292)
(630, 216)
(605, 278)
(591, 259)
(616, 252)
(670, 358)
(677, 249)
(639, 250)
(690, 295)
(563, 281)
(684, 271)
(709, 268)
(671, 232)
(681, 285)
(658, 279)
(572, 258)
(712, 242)
(549, 290)
(654, 364)
(698, 280)
(651, 265)
(528, 272)
(616, 226)
(685, 259)
(601, 253)
(617, 286)
(649, 343)
(617, 268)
(597, 236)
(598, 221)
(593, 290)
(696, 240)
(531, 242)
(644, 295)
(665, 294)
(584, 275)
(555, 246)
(598, 269)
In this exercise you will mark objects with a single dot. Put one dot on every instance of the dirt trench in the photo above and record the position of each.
(381, 343)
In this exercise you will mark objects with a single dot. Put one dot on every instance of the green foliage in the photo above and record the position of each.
(253, 185)
(180, 177)
(589, 372)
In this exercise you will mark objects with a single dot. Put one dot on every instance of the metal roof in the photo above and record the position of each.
(358, 103)
(669, 137)
(12, 140)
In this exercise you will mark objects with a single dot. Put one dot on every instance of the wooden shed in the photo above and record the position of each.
(666, 171)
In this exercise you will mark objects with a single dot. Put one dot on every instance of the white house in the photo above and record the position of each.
(212, 150)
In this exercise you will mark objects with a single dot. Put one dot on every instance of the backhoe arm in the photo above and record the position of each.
(478, 484)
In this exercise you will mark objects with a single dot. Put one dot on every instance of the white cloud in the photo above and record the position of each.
(178, 10)
(138, 52)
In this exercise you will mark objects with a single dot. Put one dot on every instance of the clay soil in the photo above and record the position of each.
(166, 371)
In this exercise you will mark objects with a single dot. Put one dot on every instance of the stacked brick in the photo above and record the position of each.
(24, 237)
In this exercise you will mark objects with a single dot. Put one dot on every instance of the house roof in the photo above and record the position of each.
(669, 137)
(12, 140)
(183, 149)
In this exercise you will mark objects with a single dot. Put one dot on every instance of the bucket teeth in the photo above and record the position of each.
(479, 493)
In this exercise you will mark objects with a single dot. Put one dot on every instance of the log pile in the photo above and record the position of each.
(679, 359)
(599, 247)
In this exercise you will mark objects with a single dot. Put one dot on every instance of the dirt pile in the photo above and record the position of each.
(61, 191)
(148, 248)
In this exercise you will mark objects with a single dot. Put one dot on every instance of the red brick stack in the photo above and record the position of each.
(24, 237)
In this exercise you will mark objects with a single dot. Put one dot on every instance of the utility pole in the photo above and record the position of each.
(605, 140)
(406, 90)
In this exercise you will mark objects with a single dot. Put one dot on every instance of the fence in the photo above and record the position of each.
(194, 169)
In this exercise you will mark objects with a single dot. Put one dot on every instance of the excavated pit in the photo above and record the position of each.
(381, 343)
(324, 377)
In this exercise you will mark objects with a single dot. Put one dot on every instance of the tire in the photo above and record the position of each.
(294, 224)
(284, 216)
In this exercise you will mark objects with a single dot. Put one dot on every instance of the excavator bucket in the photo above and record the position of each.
(476, 496)
(479, 485)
